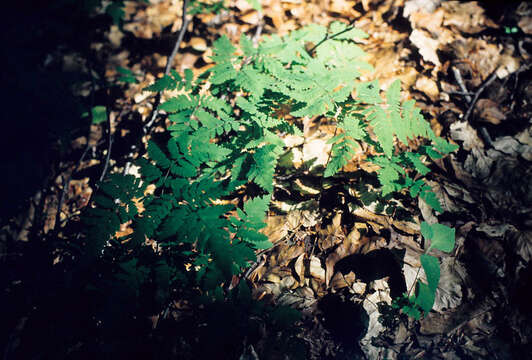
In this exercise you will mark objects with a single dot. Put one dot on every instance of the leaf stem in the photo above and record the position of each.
(328, 37)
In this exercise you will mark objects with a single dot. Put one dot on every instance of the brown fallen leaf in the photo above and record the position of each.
(488, 111)
(315, 268)
(252, 17)
(198, 43)
(428, 87)
(340, 281)
(427, 46)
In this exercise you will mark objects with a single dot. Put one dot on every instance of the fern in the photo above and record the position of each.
(224, 136)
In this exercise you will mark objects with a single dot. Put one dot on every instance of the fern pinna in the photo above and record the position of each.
(224, 133)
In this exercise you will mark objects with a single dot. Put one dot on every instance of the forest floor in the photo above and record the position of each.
(467, 65)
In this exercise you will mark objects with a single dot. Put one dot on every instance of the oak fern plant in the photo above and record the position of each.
(224, 135)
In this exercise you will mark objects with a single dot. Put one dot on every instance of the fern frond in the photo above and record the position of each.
(382, 126)
(341, 153)
(251, 220)
(167, 82)
(222, 50)
(263, 167)
(179, 103)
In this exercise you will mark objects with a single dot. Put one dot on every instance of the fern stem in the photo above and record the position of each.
(147, 127)
(328, 37)
(338, 111)
(184, 25)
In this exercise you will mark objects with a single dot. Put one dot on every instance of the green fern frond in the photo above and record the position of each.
(179, 103)
(223, 50)
(167, 82)
(247, 45)
(263, 167)
(341, 153)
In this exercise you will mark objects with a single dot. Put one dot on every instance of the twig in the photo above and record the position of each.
(65, 187)
(462, 85)
(327, 37)
(258, 32)
(109, 146)
(146, 129)
(184, 24)
(338, 111)
(479, 91)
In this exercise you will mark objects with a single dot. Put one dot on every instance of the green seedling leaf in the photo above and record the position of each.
(443, 146)
(411, 311)
(424, 296)
(431, 265)
(255, 4)
(430, 198)
(116, 12)
(441, 237)
(99, 114)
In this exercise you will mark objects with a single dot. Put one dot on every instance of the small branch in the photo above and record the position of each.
(322, 179)
(258, 32)
(184, 24)
(146, 129)
(66, 183)
(109, 145)
(327, 37)
(461, 83)
(479, 91)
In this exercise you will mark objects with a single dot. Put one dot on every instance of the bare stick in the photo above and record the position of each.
(155, 110)
(184, 24)
(479, 91)
(328, 37)
(258, 32)
(66, 183)
(461, 83)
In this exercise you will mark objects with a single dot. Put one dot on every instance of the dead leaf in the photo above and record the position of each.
(428, 87)
(488, 111)
(198, 43)
(299, 268)
(287, 253)
(427, 46)
(315, 268)
(525, 23)
(340, 281)
(252, 17)
(463, 132)
(467, 17)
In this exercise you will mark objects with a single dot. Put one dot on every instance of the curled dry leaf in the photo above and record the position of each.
(340, 281)
(289, 282)
(317, 149)
(463, 132)
(287, 253)
(371, 217)
(381, 293)
(300, 298)
(315, 268)
(359, 287)
(449, 294)
(299, 268)
(526, 24)
(273, 278)
(350, 245)
(252, 17)
(275, 228)
(427, 46)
